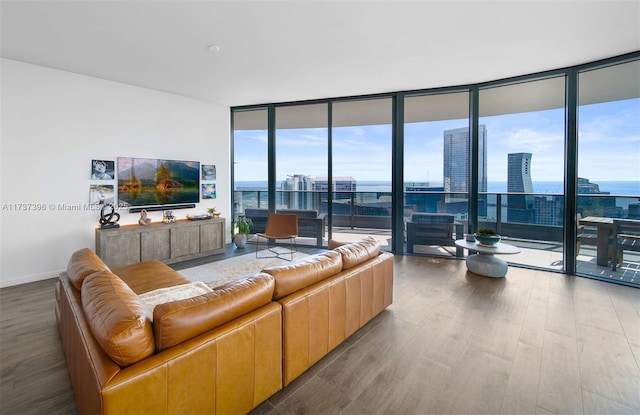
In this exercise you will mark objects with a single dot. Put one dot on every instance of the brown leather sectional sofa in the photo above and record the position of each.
(226, 351)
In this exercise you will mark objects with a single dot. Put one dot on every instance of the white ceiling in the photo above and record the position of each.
(278, 51)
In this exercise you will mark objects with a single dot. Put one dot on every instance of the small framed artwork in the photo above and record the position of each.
(208, 172)
(208, 190)
(101, 194)
(102, 169)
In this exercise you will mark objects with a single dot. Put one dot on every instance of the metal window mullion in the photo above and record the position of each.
(271, 156)
(571, 171)
(474, 105)
(397, 174)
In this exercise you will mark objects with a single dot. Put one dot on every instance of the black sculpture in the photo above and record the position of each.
(107, 213)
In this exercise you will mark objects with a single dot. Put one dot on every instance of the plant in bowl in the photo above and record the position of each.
(486, 236)
(213, 212)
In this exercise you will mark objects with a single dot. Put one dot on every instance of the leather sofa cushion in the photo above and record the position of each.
(177, 321)
(82, 264)
(119, 320)
(147, 276)
(358, 252)
(293, 277)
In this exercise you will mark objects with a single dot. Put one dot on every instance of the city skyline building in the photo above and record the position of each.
(520, 208)
(456, 161)
(303, 189)
(298, 196)
(339, 184)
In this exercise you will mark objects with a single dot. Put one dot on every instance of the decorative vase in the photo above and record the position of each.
(240, 240)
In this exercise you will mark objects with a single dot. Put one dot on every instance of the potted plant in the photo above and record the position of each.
(212, 211)
(240, 228)
(487, 236)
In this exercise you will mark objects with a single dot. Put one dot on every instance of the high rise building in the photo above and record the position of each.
(456, 163)
(520, 208)
(596, 206)
(304, 192)
(456, 160)
(339, 184)
(295, 195)
(422, 197)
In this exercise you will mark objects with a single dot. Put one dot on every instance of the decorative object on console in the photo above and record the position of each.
(486, 236)
(212, 211)
(107, 213)
(199, 217)
(167, 216)
(144, 219)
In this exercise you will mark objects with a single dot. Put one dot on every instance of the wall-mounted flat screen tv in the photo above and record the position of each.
(144, 182)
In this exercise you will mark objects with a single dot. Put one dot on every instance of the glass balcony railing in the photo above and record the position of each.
(518, 215)
(534, 222)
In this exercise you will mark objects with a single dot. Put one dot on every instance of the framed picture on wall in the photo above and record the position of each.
(101, 194)
(208, 172)
(102, 169)
(208, 190)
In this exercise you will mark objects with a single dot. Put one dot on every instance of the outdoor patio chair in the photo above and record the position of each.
(279, 226)
(582, 237)
(434, 229)
(626, 236)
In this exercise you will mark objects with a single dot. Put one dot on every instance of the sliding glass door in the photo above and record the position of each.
(301, 161)
(522, 127)
(361, 170)
(608, 168)
(436, 170)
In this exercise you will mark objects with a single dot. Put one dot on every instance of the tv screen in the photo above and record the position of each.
(155, 182)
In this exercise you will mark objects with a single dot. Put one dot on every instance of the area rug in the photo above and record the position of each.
(221, 272)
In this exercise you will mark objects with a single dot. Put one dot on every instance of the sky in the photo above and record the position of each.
(608, 149)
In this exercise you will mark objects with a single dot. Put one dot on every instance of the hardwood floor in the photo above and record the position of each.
(451, 343)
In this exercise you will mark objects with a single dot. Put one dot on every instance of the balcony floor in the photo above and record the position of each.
(534, 254)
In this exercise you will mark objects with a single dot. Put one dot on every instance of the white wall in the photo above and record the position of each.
(53, 123)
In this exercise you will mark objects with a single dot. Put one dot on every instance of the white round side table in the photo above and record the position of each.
(485, 262)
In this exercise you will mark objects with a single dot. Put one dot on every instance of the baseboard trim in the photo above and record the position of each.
(26, 279)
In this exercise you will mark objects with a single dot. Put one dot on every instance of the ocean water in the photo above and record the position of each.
(617, 188)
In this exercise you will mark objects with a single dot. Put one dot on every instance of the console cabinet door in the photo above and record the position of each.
(212, 236)
(118, 249)
(156, 245)
(185, 240)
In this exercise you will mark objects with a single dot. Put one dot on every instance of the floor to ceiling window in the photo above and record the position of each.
(436, 171)
(547, 147)
(608, 168)
(250, 161)
(361, 170)
(301, 159)
(522, 127)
